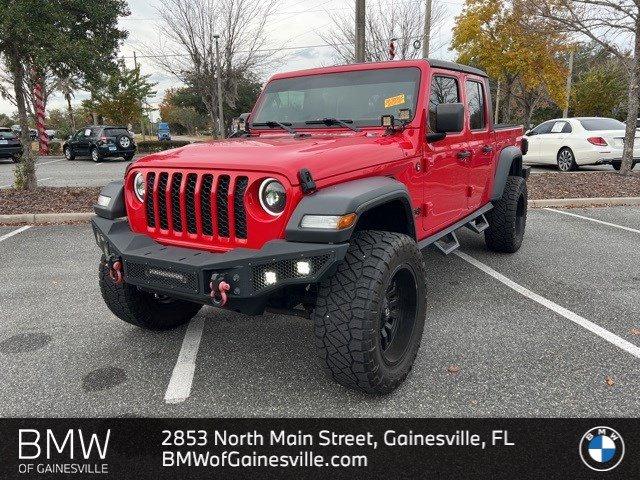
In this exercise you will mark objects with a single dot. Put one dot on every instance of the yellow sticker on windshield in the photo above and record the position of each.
(394, 101)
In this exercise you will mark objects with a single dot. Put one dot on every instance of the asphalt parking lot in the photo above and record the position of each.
(548, 331)
(60, 172)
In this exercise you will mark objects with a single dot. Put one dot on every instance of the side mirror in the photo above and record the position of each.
(450, 118)
(530, 133)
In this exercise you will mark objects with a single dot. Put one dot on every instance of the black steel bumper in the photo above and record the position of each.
(185, 273)
(8, 152)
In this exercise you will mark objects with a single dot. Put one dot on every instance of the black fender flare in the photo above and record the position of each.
(356, 196)
(509, 163)
(115, 206)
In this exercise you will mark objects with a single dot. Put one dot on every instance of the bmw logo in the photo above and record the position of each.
(601, 449)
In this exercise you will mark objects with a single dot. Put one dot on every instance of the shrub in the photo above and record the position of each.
(151, 146)
(55, 148)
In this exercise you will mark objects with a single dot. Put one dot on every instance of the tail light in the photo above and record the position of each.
(599, 141)
(103, 139)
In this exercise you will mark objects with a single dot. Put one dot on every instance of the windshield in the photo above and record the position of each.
(360, 96)
(592, 124)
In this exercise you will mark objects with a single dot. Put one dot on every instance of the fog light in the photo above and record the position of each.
(103, 200)
(303, 268)
(270, 277)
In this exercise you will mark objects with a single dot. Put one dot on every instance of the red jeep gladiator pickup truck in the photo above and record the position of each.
(321, 208)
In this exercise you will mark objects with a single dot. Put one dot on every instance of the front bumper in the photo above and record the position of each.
(186, 273)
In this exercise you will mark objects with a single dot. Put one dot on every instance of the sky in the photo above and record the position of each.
(295, 24)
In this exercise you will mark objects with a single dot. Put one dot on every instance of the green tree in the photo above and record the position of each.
(119, 97)
(599, 92)
(5, 120)
(524, 58)
(64, 37)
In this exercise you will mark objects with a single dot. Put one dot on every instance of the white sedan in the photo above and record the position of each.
(571, 142)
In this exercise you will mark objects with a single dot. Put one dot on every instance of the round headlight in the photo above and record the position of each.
(272, 196)
(139, 186)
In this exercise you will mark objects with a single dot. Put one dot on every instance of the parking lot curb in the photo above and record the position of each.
(584, 202)
(45, 217)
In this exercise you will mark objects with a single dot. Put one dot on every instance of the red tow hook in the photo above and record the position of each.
(219, 294)
(115, 272)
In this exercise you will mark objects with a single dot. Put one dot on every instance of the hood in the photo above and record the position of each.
(323, 155)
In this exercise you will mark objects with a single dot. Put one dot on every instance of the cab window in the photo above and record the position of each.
(443, 90)
(476, 104)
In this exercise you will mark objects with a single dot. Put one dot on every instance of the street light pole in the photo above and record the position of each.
(219, 78)
(565, 112)
(427, 29)
(360, 30)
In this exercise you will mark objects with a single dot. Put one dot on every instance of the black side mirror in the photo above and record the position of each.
(530, 133)
(449, 118)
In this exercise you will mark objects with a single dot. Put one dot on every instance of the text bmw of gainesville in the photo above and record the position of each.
(185, 447)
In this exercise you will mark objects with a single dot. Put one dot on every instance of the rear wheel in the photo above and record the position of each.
(508, 218)
(370, 314)
(566, 160)
(95, 155)
(128, 158)
(144, 309)
(617, 166)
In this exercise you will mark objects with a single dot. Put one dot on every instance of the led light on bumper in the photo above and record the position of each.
(328, 222)
(303, 267)
(103, 200)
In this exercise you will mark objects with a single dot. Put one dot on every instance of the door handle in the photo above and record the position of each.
(487, 149)
(464, 154)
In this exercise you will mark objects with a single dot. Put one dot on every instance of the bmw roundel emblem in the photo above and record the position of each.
(601, 449)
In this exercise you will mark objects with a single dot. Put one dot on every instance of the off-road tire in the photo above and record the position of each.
(142, 308)
(348, 312)
(68, 154)
(508, 218)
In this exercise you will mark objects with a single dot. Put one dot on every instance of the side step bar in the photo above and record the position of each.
(478, 225)
(446, 240)
(448, 243)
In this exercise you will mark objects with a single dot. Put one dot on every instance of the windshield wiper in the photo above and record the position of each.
(334, 121)
(273, 123)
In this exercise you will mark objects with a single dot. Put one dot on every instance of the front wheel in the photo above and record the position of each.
(508, 218)
(144, 309)
(370, 314)
(566, 160)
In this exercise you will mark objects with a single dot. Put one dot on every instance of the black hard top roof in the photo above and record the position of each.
(457, 67)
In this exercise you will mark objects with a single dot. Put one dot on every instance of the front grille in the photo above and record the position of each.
(189, 203)
(285, 270)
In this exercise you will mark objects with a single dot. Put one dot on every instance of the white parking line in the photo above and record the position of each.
(179, 387)
(52, 161)
(628, 229)
(568, 314)
(14, 232)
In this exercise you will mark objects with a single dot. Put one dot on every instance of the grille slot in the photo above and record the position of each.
(162, 200)
(149, 203)
(223, 205)
(191, 203)
(176, 218)
(205, 205)
(239, 212)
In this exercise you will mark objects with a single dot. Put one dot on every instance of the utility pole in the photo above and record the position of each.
(427, 29)
(135, 64)
(565, 113)
(360, 30)
(219, 78)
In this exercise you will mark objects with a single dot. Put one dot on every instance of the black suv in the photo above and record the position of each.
(10, 146)
(99, 142)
